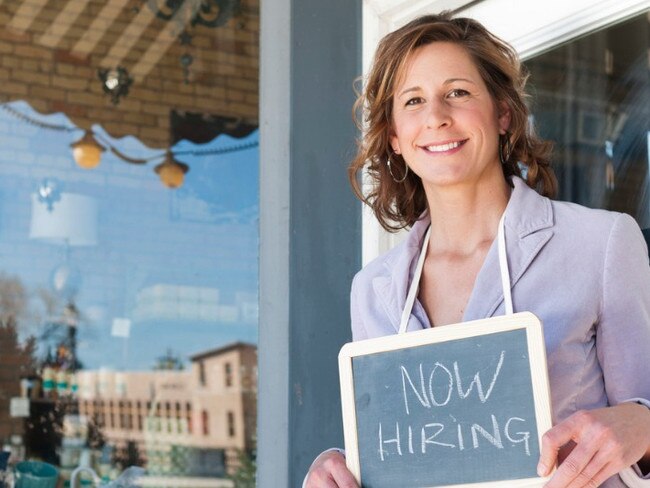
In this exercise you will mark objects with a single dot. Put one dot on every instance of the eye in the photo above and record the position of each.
(457, 93)
(414, 101)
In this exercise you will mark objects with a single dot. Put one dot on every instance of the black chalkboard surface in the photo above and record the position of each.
(460, 405)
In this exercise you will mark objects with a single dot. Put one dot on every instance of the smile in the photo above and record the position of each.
(445, 147)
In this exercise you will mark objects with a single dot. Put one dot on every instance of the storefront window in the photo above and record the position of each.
(591, 97)
(128, 235)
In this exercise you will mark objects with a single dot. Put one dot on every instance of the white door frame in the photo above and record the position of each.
(531, 26)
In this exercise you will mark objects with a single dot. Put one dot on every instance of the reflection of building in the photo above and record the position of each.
(201, 416)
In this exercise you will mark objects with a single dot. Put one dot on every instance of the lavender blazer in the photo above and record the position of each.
(583, 272)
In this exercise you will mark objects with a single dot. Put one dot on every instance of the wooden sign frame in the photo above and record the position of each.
(538, 368)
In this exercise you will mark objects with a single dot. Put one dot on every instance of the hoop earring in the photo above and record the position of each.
(390, 170)
(505, 148)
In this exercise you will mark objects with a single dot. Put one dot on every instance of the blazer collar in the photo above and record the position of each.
(528, 227)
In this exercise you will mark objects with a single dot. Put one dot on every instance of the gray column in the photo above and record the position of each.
(310, 228)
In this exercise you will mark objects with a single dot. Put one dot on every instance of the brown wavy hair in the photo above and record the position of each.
(399, 205)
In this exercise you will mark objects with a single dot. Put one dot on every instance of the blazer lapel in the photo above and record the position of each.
(391, 288)
(528, 227)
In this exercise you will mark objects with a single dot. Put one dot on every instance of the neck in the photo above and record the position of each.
(464, 217)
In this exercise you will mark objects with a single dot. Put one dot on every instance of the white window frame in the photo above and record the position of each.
(531, 26)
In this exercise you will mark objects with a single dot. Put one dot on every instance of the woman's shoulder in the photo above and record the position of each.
(396, 260)
(595, 233)
(531, 208)
(577, 217)
(380, 266)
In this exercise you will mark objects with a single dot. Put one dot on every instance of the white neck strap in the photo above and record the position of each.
(415, 283)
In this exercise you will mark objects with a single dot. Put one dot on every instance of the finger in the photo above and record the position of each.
(607, 472)
(588, 476)
(318, 482)
(573, 466)
(333, 468)
(564, 451)
(343, 477)
(599, 478)
(319, 478)
(552, 442)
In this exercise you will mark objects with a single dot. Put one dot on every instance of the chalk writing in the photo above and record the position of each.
(430, 397)
(437, 434)
(431, 400)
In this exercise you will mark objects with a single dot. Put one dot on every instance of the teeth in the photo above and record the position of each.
(443, 147)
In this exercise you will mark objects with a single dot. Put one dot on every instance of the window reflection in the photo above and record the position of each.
(592, 97)
(115, 289)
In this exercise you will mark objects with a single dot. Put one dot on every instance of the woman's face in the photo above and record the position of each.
(445, 123)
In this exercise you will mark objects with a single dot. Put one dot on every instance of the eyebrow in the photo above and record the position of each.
(446, 82)
(451, 80)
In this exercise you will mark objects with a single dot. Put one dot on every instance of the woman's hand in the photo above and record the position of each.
(329, 471)
(606, 441)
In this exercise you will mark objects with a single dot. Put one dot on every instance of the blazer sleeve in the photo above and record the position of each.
(356, 317)
(623, 331)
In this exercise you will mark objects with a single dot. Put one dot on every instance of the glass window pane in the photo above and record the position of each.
(592, 97)
(128, 235)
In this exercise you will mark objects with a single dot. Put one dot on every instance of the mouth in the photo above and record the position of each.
(445, 147)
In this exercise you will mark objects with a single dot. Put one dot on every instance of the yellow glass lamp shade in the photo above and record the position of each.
(171, 172)
(87, 152)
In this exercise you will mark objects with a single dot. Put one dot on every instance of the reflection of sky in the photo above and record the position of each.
(197, 243)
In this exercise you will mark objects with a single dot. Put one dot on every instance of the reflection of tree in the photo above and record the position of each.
(16, 361)
(49, 319)
(18, 311)
(13, 299)
(44, 429)
(96, 438)
(128, 456)
(62, 333)
(169, 362)
(244, 475)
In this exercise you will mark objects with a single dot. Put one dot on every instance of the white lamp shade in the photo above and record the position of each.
(72, 220)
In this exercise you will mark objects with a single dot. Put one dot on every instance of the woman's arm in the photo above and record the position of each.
(611, 439)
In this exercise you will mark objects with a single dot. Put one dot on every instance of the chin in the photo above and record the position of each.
(450, 178)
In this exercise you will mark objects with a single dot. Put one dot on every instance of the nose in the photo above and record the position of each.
(438, 115)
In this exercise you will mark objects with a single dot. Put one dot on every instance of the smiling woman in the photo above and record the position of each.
(451, 154)
(445, 122)
(447, 127)
(491, 69)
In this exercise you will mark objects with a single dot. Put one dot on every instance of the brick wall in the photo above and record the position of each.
(50, 58)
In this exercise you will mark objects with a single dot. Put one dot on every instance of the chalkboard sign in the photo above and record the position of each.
(459, 405)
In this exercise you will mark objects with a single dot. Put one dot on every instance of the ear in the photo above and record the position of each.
(504, 117)
(394, 143)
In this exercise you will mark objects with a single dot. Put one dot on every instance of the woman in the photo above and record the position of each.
(450, 150)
